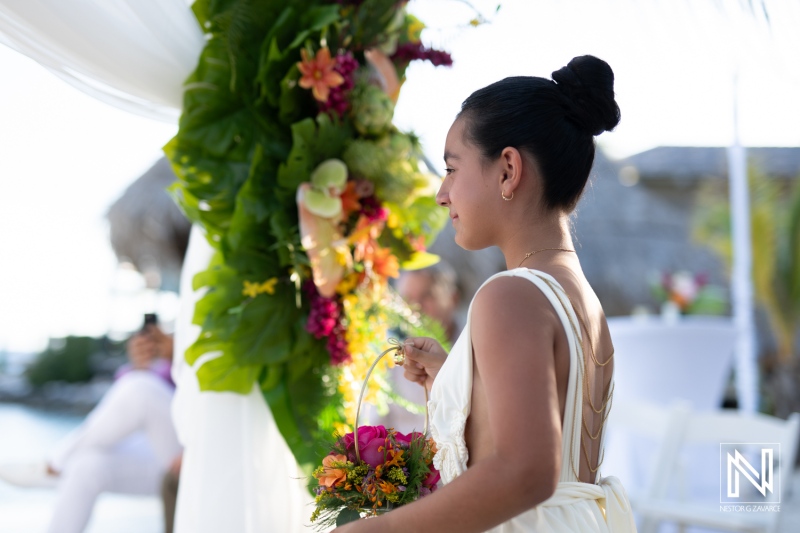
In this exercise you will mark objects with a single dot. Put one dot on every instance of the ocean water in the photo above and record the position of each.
(26, 435)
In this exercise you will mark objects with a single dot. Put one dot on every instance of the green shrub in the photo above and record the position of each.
(68, 359)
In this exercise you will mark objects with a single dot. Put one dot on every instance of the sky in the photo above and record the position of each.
(65, 157)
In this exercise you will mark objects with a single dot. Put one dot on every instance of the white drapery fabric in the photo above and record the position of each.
(238, 473)
(132, 54)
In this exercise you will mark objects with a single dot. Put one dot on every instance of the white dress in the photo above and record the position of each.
(575, 506)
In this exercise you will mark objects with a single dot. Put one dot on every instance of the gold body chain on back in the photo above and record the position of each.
(605, 407)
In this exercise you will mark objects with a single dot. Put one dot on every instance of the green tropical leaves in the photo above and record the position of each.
(248, 138)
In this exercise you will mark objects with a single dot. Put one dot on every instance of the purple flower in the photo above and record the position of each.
(372, 209)
(338, 101)
(409, 52)
(325, 320)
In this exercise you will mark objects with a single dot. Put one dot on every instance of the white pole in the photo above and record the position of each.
(742, 272)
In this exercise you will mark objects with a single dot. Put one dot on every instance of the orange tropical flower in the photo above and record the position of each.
(396, 458)
(350, 201)
(385, 264)
(387, 487)
(388, 72)
(363, 236)
(332, 476)
(417, 243)
(326, 248)
(318, 74)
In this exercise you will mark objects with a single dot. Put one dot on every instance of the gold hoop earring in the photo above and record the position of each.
(507, 199)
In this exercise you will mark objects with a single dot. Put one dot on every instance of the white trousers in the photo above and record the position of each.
(125, 445)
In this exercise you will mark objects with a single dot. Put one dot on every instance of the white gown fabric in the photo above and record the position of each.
(575, 506)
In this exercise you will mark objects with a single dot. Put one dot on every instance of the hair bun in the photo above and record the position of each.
(587, 84)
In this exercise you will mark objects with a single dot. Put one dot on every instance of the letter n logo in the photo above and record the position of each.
(737, 465)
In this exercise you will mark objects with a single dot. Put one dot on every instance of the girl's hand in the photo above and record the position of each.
(424, 358)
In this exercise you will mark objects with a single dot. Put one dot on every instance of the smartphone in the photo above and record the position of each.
(149, 319)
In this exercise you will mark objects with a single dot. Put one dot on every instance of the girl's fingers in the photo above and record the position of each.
(413, 369)
(420, 357)
(416, 377)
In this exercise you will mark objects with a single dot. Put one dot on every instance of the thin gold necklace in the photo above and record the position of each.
(542, 250)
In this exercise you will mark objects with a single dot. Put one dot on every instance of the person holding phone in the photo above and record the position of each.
(125, 445)
(151, 350)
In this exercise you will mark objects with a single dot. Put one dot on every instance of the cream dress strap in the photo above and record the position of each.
(575, 506)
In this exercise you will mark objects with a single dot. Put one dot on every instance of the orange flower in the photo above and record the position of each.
(387, 487)
(432, 446)
(350, 201)
(363, 237)
(385, 264)
(332, 476)
(417, 243)
(396, 459)
(318, 74)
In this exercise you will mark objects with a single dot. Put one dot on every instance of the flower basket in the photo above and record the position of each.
(373, 469)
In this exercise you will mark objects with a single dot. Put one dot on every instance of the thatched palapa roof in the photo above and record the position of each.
(689, 163)
(148, 229)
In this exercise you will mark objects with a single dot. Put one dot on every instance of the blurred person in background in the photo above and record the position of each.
(434, 291)
(126, 445)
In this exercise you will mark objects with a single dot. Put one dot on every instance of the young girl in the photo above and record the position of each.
(519, 405)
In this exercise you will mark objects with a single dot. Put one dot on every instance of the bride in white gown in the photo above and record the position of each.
(518, 406)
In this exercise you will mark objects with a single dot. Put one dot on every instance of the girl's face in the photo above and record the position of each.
(469, 191)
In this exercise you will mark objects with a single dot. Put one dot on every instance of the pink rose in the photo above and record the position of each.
(370, 438)
(432, 479)
(374, 451)
(347, 441)
(403, 439)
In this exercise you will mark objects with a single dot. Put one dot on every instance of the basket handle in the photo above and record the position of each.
(399, 358)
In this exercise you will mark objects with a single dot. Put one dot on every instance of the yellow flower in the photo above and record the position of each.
(366, 331)
(254, 289)
(414, 29)
(250, 289)
(269, 286)
(348, 284)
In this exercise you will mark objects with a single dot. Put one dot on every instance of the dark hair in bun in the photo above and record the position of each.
(553, 121)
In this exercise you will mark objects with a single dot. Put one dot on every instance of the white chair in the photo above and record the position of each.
(640, 446)
(671, 502)
(659, 361)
